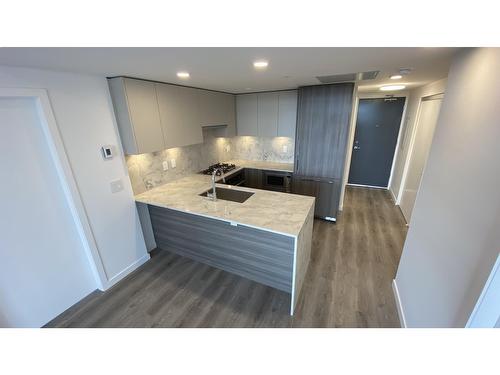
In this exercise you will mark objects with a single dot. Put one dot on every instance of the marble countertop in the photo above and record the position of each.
(266, 165)
(274, 211)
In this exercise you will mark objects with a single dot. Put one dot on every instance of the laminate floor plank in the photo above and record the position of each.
(348, 282)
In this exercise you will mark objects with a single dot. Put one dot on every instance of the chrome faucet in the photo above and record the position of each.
(213, 195)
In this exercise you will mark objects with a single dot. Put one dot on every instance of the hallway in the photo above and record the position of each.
(348, 283)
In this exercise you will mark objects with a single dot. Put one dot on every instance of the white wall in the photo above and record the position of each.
(84, 115)
(453, 241)
(44, 268)
(408, 128)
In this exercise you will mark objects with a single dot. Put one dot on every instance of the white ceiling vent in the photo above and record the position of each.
(349, 77)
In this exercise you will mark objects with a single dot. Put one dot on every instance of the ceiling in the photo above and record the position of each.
(231, 69)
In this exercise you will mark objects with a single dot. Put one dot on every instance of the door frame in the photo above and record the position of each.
(486, 312)
(362, 95)
(66, 178)
(411, 145)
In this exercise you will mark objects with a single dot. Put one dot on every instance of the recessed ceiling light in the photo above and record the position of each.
(183, 75)
(396, 76)
(261, 64)
(392, 87)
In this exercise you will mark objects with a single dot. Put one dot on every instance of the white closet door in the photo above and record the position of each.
(429, 112)
(44, 268)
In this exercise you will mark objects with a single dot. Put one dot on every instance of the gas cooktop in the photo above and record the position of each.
(225, 167)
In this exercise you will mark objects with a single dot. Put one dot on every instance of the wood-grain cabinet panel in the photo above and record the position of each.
(258, 255)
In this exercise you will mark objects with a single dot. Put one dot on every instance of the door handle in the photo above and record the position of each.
(357, 147)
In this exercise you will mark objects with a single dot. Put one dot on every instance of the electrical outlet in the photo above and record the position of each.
(172, 163)
(285, 148)
(165, 165)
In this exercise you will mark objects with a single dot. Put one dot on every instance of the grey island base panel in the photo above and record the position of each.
(258, 255)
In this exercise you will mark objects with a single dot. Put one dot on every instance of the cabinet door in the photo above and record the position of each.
(287, 114)
(138, 118)
(228, 103)
(246, 115)
(179, 114)
(326, 192)
(209, 108)
(253, 178)
(323, 119)
(216, 108)
(267, 110)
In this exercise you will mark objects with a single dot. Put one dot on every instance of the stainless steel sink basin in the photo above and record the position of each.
(229, 194)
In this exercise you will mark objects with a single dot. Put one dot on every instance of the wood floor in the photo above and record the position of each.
(348, 283)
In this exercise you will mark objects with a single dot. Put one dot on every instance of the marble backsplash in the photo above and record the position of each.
(146, 170)
(277, 149)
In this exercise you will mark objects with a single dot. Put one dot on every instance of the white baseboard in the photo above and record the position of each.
(401, 313)
(393, 197)
(122, 274)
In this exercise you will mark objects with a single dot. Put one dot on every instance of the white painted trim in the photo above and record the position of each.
(393, 196)
(399, 305)
(481, 316)
(126, 271)
(396, 150)
(350, 142)
(411, 145)
(66, 177)
(369, 186)
(294, 275)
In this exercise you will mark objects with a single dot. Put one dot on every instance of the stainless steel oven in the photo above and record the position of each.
(277, 181)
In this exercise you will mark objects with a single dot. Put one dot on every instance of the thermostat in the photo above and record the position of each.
(107, 152)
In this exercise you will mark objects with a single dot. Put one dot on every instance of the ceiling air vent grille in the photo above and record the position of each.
(337, 78)
(349, 77)
(368, 75)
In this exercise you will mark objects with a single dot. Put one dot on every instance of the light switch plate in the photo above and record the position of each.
(228, 148)
(165, 165)
(172, 163)
(285, 148)
(116, 186)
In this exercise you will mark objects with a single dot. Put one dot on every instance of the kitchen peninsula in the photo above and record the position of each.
(267, 238)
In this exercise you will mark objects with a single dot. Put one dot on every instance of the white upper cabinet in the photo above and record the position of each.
(287, 114)
(270, 114)
(137, 115)
(267, 112)
(156, 116)
(246, 115)
(179, 115)
(217, 108)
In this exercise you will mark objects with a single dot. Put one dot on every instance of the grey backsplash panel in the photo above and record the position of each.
(146, 170)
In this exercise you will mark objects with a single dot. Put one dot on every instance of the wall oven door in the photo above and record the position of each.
(277, 181)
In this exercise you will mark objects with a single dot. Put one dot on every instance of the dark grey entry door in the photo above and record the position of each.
(377, 128)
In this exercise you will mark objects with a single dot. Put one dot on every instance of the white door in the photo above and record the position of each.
(429, 112)
(43, 265)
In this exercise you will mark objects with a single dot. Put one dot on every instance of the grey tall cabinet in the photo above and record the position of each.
(323, 119)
